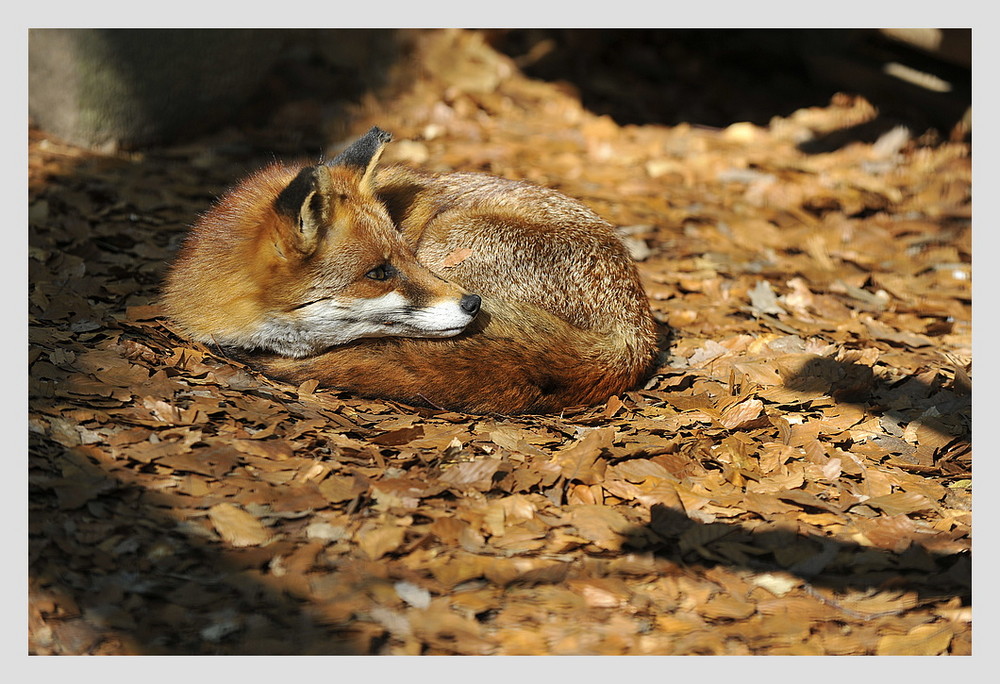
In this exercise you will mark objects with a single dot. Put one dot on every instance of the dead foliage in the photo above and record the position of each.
(795, 478)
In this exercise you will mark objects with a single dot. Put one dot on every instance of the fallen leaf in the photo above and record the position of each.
(929, 639)
(763, 300)
(581, 461)
(238, 527)
(456, 257)
(742, 415)
(377, 540)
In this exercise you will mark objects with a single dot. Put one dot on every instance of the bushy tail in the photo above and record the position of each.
(537, 364)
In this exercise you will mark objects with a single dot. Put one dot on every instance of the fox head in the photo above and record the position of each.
(296, 261)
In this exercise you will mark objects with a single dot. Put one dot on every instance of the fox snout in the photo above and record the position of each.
(443, 318)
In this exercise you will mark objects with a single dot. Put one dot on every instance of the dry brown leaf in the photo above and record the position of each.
(581, 461)
(237, 526)
(743, 415)
(601, 593)
(727, 607)
(478, 472)
(271, 449)
(337, 488)
(901, 503)
(400, 436)
(601, 525)
(377, 540)
(456, 257)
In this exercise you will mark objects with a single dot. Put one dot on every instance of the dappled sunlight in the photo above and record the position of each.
(793, 478)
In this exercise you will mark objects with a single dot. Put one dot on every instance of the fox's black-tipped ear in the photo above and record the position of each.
(363, 154)
(303, 202)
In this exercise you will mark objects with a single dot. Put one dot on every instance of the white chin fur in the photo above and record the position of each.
(329, 322)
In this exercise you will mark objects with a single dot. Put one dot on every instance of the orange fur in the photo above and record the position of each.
(563, 320)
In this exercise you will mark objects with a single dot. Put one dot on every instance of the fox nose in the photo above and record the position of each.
(470, 304)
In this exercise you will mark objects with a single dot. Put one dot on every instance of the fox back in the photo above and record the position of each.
(459, 290)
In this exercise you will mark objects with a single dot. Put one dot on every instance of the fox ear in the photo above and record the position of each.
(363, 154)
(303, 201)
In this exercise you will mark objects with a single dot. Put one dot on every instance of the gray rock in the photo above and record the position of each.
(134, 87)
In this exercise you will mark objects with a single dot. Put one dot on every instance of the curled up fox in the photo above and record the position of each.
(460, 290)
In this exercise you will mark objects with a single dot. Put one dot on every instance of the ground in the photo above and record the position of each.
(795, 478)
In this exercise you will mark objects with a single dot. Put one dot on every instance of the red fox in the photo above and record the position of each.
(460, 291)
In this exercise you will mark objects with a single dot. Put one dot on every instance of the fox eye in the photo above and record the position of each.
(383, 272)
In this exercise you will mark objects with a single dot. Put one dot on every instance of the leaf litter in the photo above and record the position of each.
(794, 479)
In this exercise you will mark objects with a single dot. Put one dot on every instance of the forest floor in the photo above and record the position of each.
(794, 479)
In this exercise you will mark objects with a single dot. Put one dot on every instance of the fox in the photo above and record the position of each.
(459, 291)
